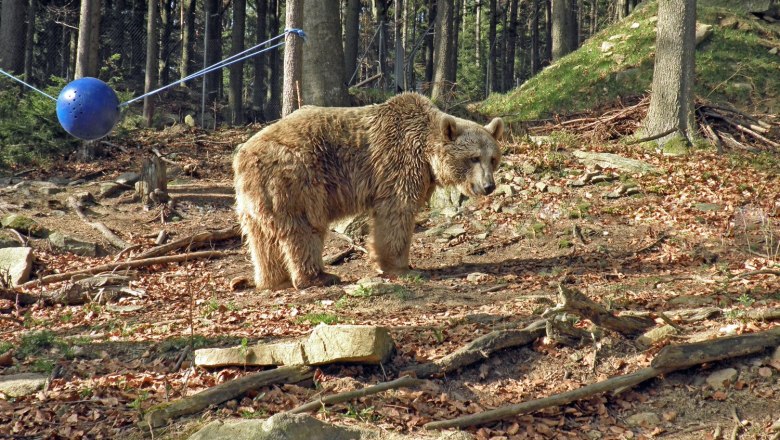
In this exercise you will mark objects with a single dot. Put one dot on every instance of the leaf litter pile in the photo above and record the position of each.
(690, 246)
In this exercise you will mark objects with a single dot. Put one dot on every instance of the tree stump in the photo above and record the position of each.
(152, 188)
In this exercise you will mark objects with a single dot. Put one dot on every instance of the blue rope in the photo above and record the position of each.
(28, 85)
(248, 53)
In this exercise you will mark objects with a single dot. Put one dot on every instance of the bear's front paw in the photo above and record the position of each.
(321, 279)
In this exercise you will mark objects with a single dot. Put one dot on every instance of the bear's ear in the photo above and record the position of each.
(449, 127)
(496, 128)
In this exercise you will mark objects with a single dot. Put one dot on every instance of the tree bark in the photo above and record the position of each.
(594, 17)
(259, 89)
(83, 50)
(214, 43)
(166, 29)
(442, 51)
(351, 37)
(153, 179)
(492, 49)
(399, 47)
(274, 106)
(621, 9)
(509, 61)
(12, 17)
(671, 101)
(293, 57)
(478, 32)
(379, 8)
(457, 18)
(323, 66)
(429, 42)
(150, 80)
(29, 39)
(535, 38)
(562, 28)
(187, 19)
(548, 31)
(236, 90)
(94, 40)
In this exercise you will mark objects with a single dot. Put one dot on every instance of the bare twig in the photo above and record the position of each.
(187, 242)
(112, 238)
(401, 382)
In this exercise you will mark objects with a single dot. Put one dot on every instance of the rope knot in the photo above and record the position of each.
(296, 31)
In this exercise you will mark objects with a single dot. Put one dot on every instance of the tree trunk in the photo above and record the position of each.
(380, 16)
(429, 42)
(213, 49)
(150, 81)
(293, 57)
(671, 102)
(187, 37)
(82, 51)
(274, 107)
(594, 17)
(621, 9)
(492, 49)
(399, 47)
(236, 90)
(442, 42)
(535, 38)
(94, 40)
(166, 29)
(29, 39)
(259, 89)
(548, 31)
(509, 62)
(323, 66)
(478, 32)
(580, 21)
(351, 39)
(152, 188)
(562, 28)
(457, 18)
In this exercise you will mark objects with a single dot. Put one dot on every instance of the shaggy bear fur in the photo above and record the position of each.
(321, 164)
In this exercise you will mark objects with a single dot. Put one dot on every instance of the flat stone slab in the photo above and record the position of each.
(17, 262)
(722, 378)
(609, 160)
(23, 384)
(303, 426)
(327, 344)
(73, 245)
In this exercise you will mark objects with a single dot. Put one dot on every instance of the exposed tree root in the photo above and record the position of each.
(401, 382)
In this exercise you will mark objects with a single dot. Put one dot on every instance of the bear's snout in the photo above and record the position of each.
(489, 188)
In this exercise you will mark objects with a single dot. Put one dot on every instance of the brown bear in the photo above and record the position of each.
(320, 164)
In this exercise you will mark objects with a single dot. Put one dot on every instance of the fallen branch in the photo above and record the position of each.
(338, 257)
(112, 238)
(123, 265)
(652, 137)
(401, 382)
(481, 348)
(483, 249)
(573, 301)
(671, 358)
(20, 298)
(187, 242)
(161, 415)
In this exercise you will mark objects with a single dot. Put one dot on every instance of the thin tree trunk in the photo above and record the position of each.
(442, 41)
(580, 20)
(594, 17)
(94, 40)
(274, 107)
(187, 20)
(509, 63)
(548, 33)
(82, 51)
(351, 38)
(323, 74)
(150, 81)
(562, 28)
(429, 42)
(29, 39)
(399, 46)
(535, 38)
(214, 43)
(478, 32)
(259, 90)
(293, 57)
(236, 90)
(492, 49)
(380, 16)
(457, 18)
(671, 102)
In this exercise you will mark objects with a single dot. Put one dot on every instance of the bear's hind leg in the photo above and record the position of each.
(302, 249)
(270, 271)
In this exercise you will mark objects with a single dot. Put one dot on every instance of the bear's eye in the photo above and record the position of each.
(475, 159)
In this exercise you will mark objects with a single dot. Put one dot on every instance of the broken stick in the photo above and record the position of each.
(573, 301)
(671, 358)
(481, 348)
(201, 237)
(401, 382)
(112, 238)
(159, 416)
(122, 265)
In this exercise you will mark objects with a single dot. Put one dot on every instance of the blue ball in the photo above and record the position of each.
(88, 108)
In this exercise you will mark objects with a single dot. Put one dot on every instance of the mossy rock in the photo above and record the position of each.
(25, 225)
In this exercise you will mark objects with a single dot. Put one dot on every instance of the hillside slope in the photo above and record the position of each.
(739, 63)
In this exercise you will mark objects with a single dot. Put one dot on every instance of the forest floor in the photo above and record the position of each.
(679, 243)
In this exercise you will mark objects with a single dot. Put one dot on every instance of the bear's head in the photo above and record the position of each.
(467, 154)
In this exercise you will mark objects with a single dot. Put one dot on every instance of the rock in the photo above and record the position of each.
(775, 426)
(504, 189)
(721, 379)
(616, 37)
(656, 335)
(644, 420)
(453, 231)
(23, 224)
(703, 31)
(554, 189)
(327, 344)
(775, 360)
(773, 51)
(706, 207)
(189, 120)
(690, 301)
(634, 25)
(435, 231)
(366, 287)
(477, 277)
(17, 262)
(606, 46)
(528, 168)
(447, 198)
(280, 353)
(352, 227)
(50, 190)
(7, 240)
(73, 245)
(497, 205)
(23, 384)
(304, 427)
(609, 160)
(348, 343)
(540, 186)
(125, 181)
